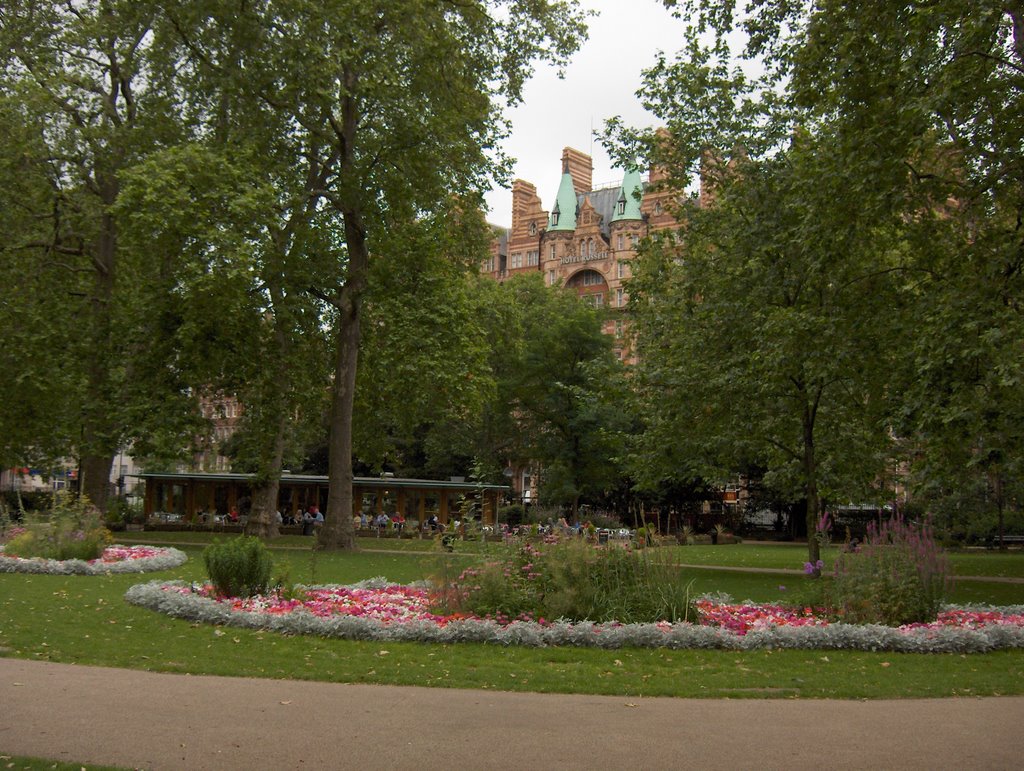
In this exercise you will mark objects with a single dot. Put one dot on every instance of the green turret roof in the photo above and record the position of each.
(627, 205)
(563, 215)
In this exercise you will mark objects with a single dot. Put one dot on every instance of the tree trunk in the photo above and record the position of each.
(338, 531)
(997, 488)
(94, 482)
(263, 514)
(811, 489)
(99, 444)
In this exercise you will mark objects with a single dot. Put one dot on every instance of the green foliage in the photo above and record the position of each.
(574, 580)
(911, 194)
(513, 515)
(72, 528)
(898, 576)
(240, 567)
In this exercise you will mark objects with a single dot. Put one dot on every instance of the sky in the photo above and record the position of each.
(600, 82)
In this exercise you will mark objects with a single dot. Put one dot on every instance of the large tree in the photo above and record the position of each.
(925, 100)
(84, 83)
(566, 394)
(395, 107)
(763, 337)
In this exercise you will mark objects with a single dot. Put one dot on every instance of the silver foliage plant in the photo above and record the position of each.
(194, 607)
(167, 558)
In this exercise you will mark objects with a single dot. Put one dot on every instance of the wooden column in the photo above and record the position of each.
(490, 509)
(148, 507)
(380, 501)
(190, 499)
(357, 502)
(442, 513)
(400, 503)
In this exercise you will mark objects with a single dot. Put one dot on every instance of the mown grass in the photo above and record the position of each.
(783, 556)
(84, 620)
(23, 763)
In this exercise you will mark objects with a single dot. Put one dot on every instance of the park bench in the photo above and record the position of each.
(1008, 540)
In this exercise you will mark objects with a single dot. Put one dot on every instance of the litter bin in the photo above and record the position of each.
(307, 528)
(602, 537)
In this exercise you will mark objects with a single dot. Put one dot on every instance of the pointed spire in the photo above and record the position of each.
(563, 215)
(627, 205)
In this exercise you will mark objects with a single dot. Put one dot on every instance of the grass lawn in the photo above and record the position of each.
(21, 763)
(783, 556)
(84, 620)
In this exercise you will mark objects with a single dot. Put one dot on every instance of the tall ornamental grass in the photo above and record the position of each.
(240, 567)
(70, 529)
(574, 581)
(898, 576)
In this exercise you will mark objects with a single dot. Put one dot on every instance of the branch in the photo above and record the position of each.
(993, 58)
(783, 448)
(59, 249)
(332, 301)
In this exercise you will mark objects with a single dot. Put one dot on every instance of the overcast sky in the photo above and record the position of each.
(600, 82)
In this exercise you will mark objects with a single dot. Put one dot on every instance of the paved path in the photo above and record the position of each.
(163, 721)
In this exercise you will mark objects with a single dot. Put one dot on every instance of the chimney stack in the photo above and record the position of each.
(580, 167)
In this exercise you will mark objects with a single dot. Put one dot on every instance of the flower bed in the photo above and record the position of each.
(115, 559)
(376, 610)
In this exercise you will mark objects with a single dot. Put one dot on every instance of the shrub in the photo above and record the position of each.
(513, 515)
(71, 528)
(240, 567)
(575, 581)
(898, 576)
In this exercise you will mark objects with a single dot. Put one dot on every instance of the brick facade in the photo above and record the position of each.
(589, 249)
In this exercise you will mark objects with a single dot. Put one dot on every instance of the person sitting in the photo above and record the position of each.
(318, 517)
(233, 516)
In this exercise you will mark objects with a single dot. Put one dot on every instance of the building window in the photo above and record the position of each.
(634, 239)
(517, 260)
(620, 297)
(590, 247)
(554, 218)
(489, 265)
(618, 329)
(622, 206)
(621, 242)
(620, 269)
(598, 300)
(657, 207)
(533, 257)
(533, 228)
(552, 252)
(618, 353)
(592, 278)
(551, 278)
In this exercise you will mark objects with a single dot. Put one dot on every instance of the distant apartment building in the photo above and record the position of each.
(223, 413)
